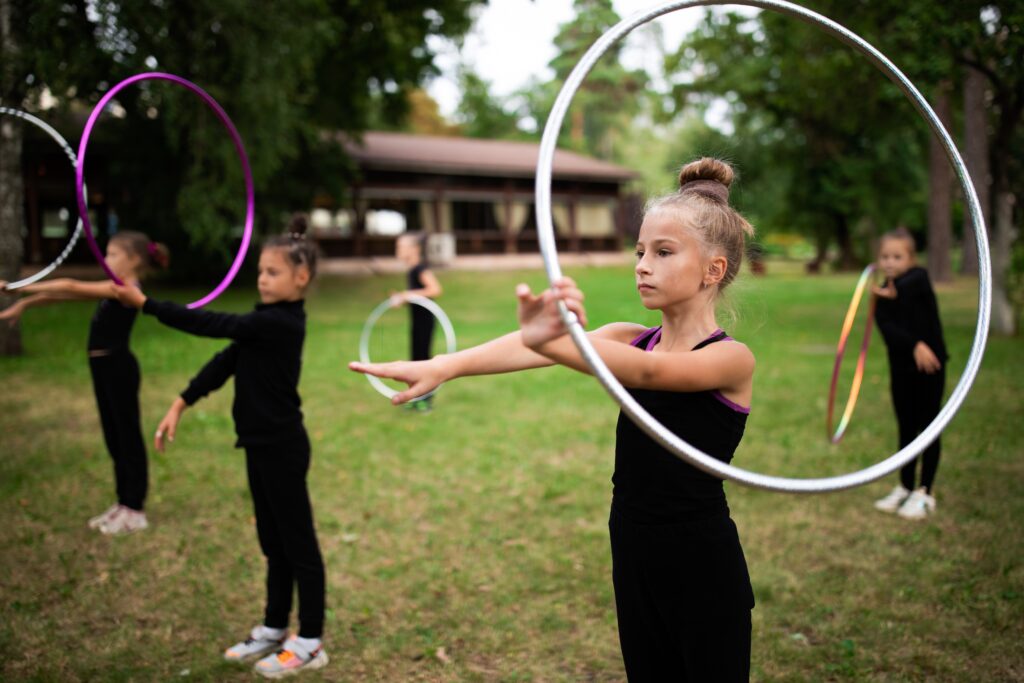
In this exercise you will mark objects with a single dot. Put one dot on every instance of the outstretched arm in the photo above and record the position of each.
(507, 353)
(201, 323)
(718, 366)
(66, 289)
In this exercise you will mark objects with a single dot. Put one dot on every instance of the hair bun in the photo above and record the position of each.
(707, 168)
(299, 224)
(159, 254)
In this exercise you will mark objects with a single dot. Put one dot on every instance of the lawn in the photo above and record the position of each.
(470, 544)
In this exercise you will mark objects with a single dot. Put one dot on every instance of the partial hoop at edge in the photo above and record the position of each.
(83, 209)
(371, 322)
(858, 373)
(643, 419)
(64, 145)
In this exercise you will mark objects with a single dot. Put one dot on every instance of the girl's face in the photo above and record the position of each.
(124, 262)
(895, 257)
(407, 250)
(279, 279)
(670, 267)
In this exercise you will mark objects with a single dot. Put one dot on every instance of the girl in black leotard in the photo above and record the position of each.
(682, 591)
(420, 281)
(115, 371)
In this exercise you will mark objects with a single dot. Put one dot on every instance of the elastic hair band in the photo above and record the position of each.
(707, 188)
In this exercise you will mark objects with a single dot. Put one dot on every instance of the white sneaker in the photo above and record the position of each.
(261, 640)
(292, 658)
(893, 501)
(123, 521)
(97, 521)
(918, 506)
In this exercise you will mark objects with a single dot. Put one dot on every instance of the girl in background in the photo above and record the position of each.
(411, 250)
(265, 358)
(907, 314)
(115, 370)
(682, 591)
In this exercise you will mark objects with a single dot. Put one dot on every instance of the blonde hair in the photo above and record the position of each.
(702, 201)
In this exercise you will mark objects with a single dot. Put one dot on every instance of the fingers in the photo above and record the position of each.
(376, 369)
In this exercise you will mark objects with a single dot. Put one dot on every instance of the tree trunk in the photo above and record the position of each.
(940, 197)
(1004, 318)
(12, 193)
(976, 158)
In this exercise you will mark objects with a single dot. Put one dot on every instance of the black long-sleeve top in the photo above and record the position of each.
(265, 357)
(912, 317)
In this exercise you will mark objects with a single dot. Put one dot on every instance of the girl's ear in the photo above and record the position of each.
(302, 275)
(715, 270)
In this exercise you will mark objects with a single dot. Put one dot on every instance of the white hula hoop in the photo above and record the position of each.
(371, 322)
(641, 417)
(59, 139)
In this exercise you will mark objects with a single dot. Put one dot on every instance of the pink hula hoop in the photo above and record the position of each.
(250, 204)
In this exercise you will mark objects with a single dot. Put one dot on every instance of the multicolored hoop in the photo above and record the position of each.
(858, 373)
(250, 204)
(59, 139)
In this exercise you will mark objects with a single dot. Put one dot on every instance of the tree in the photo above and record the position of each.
(820, 132)
(285, 73)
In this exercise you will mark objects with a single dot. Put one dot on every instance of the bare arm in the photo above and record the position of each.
(68, 289)
(13, 312)
(505, 354)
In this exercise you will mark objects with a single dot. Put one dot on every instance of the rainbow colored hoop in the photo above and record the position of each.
(250, 204)
(858, 373)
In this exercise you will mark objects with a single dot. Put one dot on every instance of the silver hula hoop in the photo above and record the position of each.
(59, 139)
(371, 322)
(641, 417)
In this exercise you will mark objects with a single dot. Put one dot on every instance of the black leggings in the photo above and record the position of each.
(284, 524)
(422, 332)
(683, 600)
(115, 381)
(917, 398)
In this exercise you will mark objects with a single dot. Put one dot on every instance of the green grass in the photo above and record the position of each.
(481, 528)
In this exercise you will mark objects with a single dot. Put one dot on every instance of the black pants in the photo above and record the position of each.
(917, 398)
(422, 322)
(115, 381)
(284, 524)
(683, 600)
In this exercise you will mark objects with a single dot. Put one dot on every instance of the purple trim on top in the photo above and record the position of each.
(641, 335)
(653, 341)
(735, 406)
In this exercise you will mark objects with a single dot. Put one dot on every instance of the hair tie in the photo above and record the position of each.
(152, 249)
(297, 235)
(707, 188)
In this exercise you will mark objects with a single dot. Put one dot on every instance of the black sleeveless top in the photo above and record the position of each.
(653, 486)
(111, 326)
(415, 280)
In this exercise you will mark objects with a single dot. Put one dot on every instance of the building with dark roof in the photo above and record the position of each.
(480, 192)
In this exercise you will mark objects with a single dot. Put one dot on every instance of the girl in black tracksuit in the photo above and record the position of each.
(907, 314)
(682, 591)
(265, 358)
(114, 369)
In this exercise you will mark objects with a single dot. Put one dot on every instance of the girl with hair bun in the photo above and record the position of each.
(682, 590)
(265, 358)
(114, 369)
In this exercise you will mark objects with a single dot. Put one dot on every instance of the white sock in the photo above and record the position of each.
(267, 633)
(308, 644)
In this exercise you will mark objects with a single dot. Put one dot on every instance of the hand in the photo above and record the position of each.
(3, 284)
(128, 295)
(13, 312)
(397, 299)
(169, 425)
(927, 361)
(886, 292)
(539, 318)
(422, 376)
